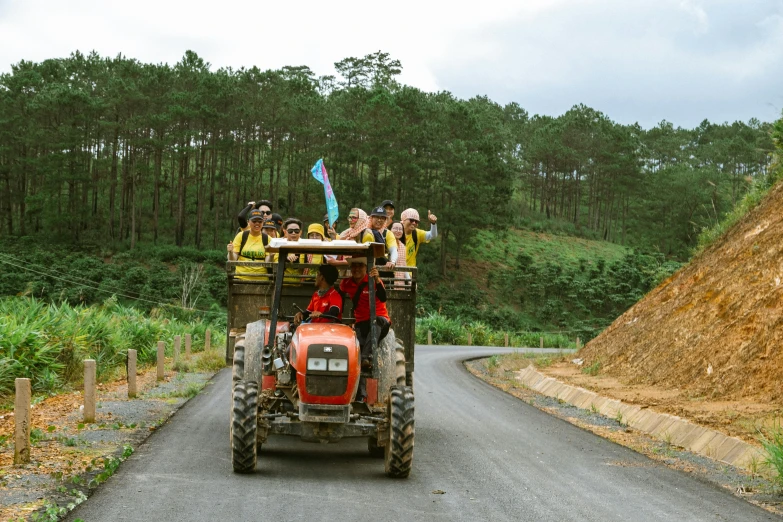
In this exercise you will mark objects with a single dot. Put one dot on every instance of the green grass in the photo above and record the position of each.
(772, 442)
(593, 369)
(759, 189)
(503, 246)
(455, 332)
(48, 343)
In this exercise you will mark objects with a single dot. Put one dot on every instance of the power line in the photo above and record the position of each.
(158, 303)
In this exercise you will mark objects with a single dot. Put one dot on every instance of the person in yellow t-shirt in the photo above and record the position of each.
(410, 222)
(250, 245)
(383, 235)
(292, 230)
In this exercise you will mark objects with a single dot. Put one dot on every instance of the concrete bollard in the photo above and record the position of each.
(161, 359)
(132, 390)
(505, 337)
(188, 341)
(429, 337)
(22, 423)
(177, 343)
(89, 390)
(207, 340)
(470, 339)
(541, 342)
(578, 343)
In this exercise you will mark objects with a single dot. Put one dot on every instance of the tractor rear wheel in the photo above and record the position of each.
(399, 447)
(244, 426)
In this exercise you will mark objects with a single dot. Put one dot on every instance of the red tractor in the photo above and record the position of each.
(303, 381)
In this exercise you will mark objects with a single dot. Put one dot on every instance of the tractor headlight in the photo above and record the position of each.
(316, 363)
(338, 365)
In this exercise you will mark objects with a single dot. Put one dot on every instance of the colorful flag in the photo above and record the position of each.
(319, 173)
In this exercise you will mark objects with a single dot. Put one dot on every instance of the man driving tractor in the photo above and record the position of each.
(326, 305)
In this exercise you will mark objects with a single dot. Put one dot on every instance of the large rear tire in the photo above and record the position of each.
(244, 426)
(399, 447)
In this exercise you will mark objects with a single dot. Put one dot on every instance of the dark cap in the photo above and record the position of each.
(329, 272)
(255, 214)
(388, 203)
(277, 218)
(378, 212)
(269, 223)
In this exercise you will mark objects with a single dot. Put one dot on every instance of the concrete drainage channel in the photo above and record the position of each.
(668, 428)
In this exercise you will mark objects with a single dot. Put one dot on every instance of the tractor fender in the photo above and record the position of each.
(390, 358)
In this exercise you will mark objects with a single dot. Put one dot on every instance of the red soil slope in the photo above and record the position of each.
(714, 329)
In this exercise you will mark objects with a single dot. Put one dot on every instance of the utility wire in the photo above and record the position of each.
(115, 290)
(158, 303)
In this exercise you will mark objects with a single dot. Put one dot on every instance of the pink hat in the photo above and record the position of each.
(409, 213)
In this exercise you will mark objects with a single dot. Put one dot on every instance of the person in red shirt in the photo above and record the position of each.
(357, 289)
(326, 301)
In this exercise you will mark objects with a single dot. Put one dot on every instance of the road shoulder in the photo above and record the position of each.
(750, 485)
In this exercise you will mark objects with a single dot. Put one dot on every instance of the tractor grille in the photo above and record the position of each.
(326, 385)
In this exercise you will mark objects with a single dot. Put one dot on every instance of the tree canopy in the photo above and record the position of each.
(111, 149)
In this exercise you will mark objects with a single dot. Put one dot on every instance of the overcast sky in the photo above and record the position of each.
(636, 60)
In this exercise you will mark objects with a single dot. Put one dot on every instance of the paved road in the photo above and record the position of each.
(495, 457)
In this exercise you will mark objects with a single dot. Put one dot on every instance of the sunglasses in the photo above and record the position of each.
(293, 230)
(266, 212)
(353, 218)
(414, 221)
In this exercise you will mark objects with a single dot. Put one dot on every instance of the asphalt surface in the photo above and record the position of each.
(492, 456)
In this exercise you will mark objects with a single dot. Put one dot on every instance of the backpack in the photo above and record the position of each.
(245, 235)
(379, 238)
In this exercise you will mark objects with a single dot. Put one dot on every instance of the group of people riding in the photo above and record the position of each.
(402, 240)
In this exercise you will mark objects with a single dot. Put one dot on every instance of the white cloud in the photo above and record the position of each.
(645, 60)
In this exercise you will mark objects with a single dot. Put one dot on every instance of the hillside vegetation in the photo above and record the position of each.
(521, 281)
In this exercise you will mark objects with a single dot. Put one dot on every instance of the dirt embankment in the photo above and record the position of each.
(715, 328)
(707, 344)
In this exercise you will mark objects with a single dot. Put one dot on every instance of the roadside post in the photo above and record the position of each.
(541, 342)
(177, 344)
(22, 421)
(132, 374)
(188, 341)
(505, 337)
(207, 340)
(470, 339)
(578, 343)
(89, 390)
(161, 360)
(429, 337)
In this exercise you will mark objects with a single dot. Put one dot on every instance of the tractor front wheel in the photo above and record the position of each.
(399, 448)
(244, 426)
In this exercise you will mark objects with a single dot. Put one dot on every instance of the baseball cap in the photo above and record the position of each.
(388, 203)
(378, 212)
(359, 260)
(255, 214)
(269, 224)
(277, 218)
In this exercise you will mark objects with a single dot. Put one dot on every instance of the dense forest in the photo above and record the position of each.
(110, 150)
